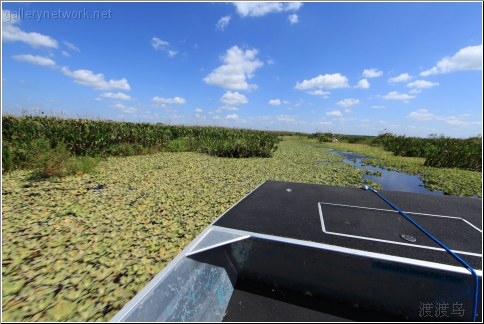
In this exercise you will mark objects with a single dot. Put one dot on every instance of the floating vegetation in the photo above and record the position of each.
(372, 173)
(79, 248)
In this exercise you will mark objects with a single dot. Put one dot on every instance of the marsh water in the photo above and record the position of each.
(390, 180)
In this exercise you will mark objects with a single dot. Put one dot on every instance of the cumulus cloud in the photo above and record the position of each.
(326, 81)
(123, 108)
(117, 96)
(422, 114)
(321, 93)
(275, 102)
(363, 84)
(13, 33)
(66, 54)
(403, 77)
(161, 45)
(293, 19)
(34, 59)
(467, 58)
(172, 53)
(232, 117)
(334, 113)
(425, 115)
(158, 43)
(224, 108)
(372, 73)
(258, 9)
(348, 102)
(164, 101)
(238, 67)
(223, 22)
(233, 98)
(95, 81)
(422, 84)
(395, 95)
(198, 110)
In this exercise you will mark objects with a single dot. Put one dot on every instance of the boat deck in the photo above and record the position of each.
(253, 302)
(303, 252)
(358, 219)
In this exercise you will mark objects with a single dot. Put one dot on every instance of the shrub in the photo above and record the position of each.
(104, 138)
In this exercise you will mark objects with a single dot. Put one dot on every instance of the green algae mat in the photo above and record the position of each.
(79, 248)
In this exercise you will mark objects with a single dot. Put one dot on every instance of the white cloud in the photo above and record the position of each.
(13, 33)
(425, 115)
(286, 119)
(415, 91)
(467, 58)
(159, 44)
(372, 73)
(172, 53)
(66, 54)
(422, 114)
(71, 46)
(321, 93)
(223, 22)
(275, 102)
(163, 101)
(198, 110)
(34, 59)
(455, 121)
(378, 107)
(232, 117)
(118, 96)
(233, 98)
(96, 81)
(258, 9)
(395, 95)
(422, 84)
(327, 81)
(403, 77)
(123, 108)
(363, 84)
(348, 102)
(238, 67)
(334, 113)
(224, 108)
(293, 19)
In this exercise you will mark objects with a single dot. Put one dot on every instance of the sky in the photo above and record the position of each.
(351, 68)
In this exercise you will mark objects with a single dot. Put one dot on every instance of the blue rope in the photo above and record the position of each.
(458, 258)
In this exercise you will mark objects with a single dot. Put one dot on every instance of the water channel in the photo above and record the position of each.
(389, 180)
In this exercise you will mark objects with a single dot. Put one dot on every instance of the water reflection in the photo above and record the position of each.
(390, 180)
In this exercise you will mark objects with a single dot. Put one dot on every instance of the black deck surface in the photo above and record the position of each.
(273, 210)
(253, 302)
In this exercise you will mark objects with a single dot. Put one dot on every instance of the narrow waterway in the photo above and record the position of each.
(389, 180)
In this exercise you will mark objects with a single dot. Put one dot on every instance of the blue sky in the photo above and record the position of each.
(354, 68)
